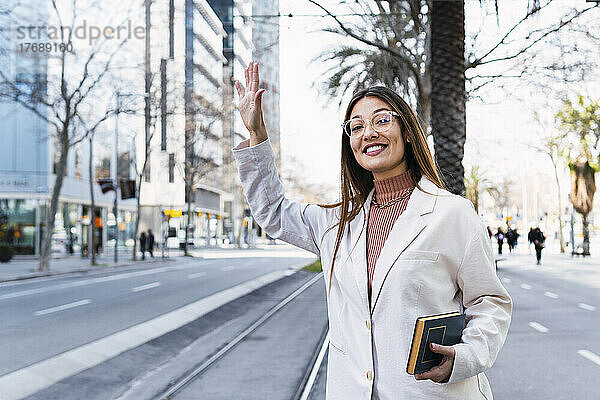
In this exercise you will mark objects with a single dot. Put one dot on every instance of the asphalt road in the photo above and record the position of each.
(553, 347)
(552, 350)
(42, 318)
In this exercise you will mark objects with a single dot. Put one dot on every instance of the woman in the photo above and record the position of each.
(500, 238)
(539, 241)
(397, 246)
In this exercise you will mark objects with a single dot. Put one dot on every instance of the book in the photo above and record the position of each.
(445, 329)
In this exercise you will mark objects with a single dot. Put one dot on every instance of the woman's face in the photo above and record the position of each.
(383, 163)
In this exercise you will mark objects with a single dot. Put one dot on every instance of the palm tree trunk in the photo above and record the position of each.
(586, 235)
(448, 121)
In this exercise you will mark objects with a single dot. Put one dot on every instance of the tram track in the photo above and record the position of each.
(180, 384)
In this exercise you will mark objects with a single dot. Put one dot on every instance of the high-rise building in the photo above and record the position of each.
(187, 60)
(30, 147)
(265, 36)
(237, 48)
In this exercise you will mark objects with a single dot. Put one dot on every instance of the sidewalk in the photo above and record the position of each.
(26, 268)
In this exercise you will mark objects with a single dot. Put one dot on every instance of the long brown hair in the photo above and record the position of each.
(357, 182)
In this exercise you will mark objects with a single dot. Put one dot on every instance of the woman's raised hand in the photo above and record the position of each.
(250, 105)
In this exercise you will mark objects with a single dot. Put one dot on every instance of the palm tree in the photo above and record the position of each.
(582, 122)
(583, 188)
(437, 70)
(448, 120)
(476, 183)
(396, 55)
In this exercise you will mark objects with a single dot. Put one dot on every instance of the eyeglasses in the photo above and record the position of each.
(381, 122)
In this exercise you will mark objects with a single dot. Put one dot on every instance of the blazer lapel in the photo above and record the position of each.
(406, 228)
(357, 244)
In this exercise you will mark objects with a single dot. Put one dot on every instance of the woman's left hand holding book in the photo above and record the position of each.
(440, 373)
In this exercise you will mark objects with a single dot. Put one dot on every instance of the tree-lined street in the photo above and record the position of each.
(133, 266)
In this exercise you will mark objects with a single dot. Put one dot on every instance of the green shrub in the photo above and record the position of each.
(6, 253)
(314, 267)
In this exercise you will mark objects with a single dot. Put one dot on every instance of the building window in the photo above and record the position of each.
(171, 167)
(124, 165)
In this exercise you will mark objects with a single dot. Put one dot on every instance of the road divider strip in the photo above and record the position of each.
(29, 380)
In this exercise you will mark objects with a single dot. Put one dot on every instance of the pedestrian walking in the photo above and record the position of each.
(530, 239)
(516, 238)
(500, 238)
(396, 247)
(539, 240)
(510, 237)
(143, 245)
(150, 244)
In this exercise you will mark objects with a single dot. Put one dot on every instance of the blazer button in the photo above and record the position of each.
(368, 324)
(370, 375)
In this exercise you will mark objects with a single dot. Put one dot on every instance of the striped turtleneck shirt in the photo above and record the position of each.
(381, 220)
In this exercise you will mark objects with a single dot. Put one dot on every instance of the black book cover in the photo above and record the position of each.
(445, 329)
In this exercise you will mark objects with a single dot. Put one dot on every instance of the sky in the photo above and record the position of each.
(498, 129)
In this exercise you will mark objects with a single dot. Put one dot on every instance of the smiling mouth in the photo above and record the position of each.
(374, 150)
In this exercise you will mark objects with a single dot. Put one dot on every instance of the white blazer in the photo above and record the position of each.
(436, 259)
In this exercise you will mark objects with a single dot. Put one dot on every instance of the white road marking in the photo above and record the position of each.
(525, 286)
(586, 306)
(144, 287)
(538, 327)
(91, 281)
(228, 268)
(63, 307)
(589, 355)
(551, 295)
(506, 280)
(196, 275)
(315, 369)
